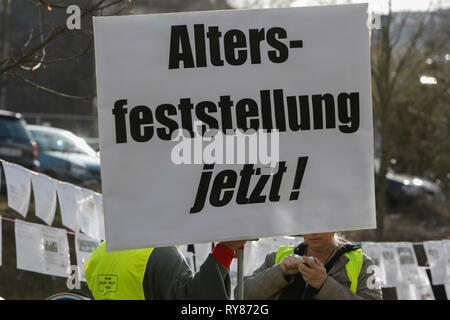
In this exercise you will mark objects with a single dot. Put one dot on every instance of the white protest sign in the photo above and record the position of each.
(84, 247)
(301, 73)
(19, 187)
(44, 190)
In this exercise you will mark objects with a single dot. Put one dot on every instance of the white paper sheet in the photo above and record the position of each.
(436, 260)
(255, 251)
(391, 265)
(88, 215)
(423, 286)
(406, 291)
(374, 251)
(188, 256)
(101, 216)
(408, 262)
(68, 196)
(253, 257)
(55, 251)
(84, 247)
(44, 190)
(202, 250)
(29, 246)
(233, 277)
(447, 290)
(18, 186)
(42, 249)
(446, 247)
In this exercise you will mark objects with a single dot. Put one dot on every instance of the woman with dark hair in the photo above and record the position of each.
(323, 267)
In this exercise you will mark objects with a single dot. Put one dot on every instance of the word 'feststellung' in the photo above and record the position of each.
(286, 113)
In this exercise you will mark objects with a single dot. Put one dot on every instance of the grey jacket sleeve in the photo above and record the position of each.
(169, 277)
(333, 290)
(266, 281)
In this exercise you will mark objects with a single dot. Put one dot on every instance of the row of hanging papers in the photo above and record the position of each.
(45, 249)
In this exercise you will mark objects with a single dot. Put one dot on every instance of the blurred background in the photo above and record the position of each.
(48, 111)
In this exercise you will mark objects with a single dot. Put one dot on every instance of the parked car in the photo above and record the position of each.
(65, 156)
(16, 143)
(93, 143)
(404, 189)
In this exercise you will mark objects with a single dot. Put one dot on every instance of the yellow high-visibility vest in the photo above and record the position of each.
(353, 266)
(117, 275)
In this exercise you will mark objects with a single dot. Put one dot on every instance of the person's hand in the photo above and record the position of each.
(234, 245)
(290, 264)
(314, 273)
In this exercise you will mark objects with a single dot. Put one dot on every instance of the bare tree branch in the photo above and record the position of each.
(58, 32)
(38, 86)
(69, 58)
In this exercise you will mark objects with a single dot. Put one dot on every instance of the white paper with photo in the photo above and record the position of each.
(84, 247)
(391, 265)
(44, 190)
(437, 261)
(29, 246)
(18, 187)
(408, 262)
(374, 251)
(88, 215)
(68, 196)
(101, 216)
(55, 251)
(423, 286)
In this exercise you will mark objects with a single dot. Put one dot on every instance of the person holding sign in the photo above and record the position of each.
(159, 273)
(323, 267)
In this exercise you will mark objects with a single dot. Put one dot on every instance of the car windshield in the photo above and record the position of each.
(53, 141)
(13, 129)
